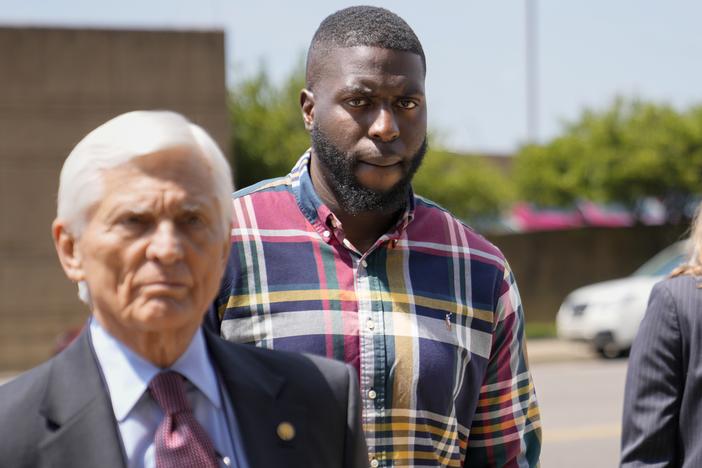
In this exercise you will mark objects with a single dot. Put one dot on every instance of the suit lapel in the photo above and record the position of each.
(82, 431)
(255, 395)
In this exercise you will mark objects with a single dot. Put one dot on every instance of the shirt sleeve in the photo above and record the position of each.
(506, 429)
(654, 384)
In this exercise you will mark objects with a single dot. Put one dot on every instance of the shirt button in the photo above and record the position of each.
(370, 324)
(364, 263)
(374, 463)
(326, 234)
(372, 394)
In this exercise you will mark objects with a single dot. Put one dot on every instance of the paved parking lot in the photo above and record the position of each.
(581, 406)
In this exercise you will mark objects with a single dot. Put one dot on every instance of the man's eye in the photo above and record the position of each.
(134, 220)
(357, 102)
(191, 220)
(406, 104)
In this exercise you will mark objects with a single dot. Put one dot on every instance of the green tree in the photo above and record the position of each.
(268, 132)
(628, 151)
(467, 185)
(550, 175)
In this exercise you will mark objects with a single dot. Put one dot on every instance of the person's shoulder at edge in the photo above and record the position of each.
(676, 289)
(20, 406)
(31, 384)
(28, 385)
(21, 403)
(679, 282)
(268, 185)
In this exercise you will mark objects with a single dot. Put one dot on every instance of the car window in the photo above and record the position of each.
(664, 262)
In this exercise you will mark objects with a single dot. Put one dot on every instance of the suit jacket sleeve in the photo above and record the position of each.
(654, 385)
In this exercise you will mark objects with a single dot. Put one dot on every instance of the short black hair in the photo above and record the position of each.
(368, 26)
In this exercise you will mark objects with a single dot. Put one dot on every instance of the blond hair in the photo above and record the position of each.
(693, 266)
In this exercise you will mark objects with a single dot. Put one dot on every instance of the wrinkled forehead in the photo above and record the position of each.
(172, 162)
(182, 166)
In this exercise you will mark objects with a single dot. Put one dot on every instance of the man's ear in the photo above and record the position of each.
(307, 106)
(67, 250)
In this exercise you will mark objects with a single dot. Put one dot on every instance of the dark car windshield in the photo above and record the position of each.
(663, 262)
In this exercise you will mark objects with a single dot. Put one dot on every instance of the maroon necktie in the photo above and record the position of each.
(181, 442)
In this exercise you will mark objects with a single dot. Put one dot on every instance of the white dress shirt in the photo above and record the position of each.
(127, 376)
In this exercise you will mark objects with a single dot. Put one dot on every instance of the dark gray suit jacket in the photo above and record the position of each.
(662, 424)
(59, 414)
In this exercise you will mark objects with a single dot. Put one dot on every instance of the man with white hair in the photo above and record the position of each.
(143, 227)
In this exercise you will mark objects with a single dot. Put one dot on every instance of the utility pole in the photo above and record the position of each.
(532, 71)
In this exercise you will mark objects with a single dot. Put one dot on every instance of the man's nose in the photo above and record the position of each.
(165, 245)
(384, 127)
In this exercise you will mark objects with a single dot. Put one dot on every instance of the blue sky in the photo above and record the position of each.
(588, 52)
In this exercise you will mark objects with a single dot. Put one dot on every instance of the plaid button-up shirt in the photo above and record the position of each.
(430, 316)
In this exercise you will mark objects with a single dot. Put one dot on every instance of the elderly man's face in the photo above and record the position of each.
(154, 248)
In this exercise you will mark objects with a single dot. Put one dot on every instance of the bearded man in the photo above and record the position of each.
(340, 258)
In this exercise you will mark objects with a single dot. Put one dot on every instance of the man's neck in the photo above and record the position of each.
(363, 229)
(159, 348)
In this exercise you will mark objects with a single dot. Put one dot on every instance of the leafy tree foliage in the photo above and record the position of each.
(631, 150)
(467, 185)
(269, 136)
(267, 128)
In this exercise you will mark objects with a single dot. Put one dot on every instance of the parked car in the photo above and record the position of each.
(608, 314)
(526, 216)
(530, 217)
(604, 214)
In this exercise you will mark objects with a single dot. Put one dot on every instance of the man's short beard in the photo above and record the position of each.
(353, 197)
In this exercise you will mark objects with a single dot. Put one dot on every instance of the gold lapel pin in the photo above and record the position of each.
(286, 431)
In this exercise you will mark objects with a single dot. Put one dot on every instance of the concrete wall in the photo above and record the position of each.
(549, 265)
(55, 86)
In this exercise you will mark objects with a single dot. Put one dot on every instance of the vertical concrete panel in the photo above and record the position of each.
(28, 206)
(78, 73)
(55, 86)
(22, 66)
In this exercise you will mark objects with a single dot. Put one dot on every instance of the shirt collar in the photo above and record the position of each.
(127, 374)
(311, 206)
(317, 213)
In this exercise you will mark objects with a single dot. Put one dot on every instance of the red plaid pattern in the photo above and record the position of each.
(430, 316)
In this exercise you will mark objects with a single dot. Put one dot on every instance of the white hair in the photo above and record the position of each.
(118, 141)
(122, 139)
